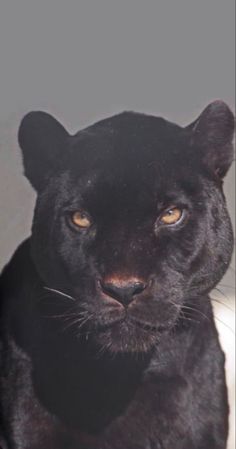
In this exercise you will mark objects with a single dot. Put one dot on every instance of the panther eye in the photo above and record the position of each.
(171, 216)
(80, 219)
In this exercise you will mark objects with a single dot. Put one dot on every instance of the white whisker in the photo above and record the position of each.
(59, 293)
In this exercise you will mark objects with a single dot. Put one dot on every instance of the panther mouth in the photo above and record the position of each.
(147, 326)
(127, 334)
(131, 323)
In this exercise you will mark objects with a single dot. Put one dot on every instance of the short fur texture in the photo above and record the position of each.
(107, 338)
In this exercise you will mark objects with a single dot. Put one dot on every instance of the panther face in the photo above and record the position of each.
(130, 221)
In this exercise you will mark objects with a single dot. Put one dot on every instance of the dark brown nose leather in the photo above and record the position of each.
(123, 291)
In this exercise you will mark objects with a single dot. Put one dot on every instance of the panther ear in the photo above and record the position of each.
(42, 140)
(213, 133)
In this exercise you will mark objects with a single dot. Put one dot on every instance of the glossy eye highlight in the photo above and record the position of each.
(171, 216)
(80, 219)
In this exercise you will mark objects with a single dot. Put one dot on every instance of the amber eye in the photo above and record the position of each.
(171, 216)
(80, 219)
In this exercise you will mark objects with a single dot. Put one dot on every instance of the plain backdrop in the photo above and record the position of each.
(85, 60)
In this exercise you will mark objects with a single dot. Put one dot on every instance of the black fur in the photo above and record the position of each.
(80, 370)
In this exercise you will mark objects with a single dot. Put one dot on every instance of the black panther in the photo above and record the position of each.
(107, 336)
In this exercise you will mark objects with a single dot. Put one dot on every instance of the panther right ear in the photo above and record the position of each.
(42, 140)
(213, 133)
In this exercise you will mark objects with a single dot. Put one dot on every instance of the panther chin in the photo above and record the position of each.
(127, 336)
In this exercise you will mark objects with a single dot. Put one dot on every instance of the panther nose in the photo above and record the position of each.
(123, 290)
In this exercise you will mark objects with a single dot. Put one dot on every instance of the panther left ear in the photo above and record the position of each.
(213, 133)
(42, 140)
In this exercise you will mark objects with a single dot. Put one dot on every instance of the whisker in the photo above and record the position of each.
(227, 286)
(226, 325)
(65, 316)
(222, 304)
(182, 314)
(53, 290)
(195, 310)
(184, 317)
(81, 321)
(222, 293)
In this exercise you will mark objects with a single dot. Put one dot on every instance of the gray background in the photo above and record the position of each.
(84, 60)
